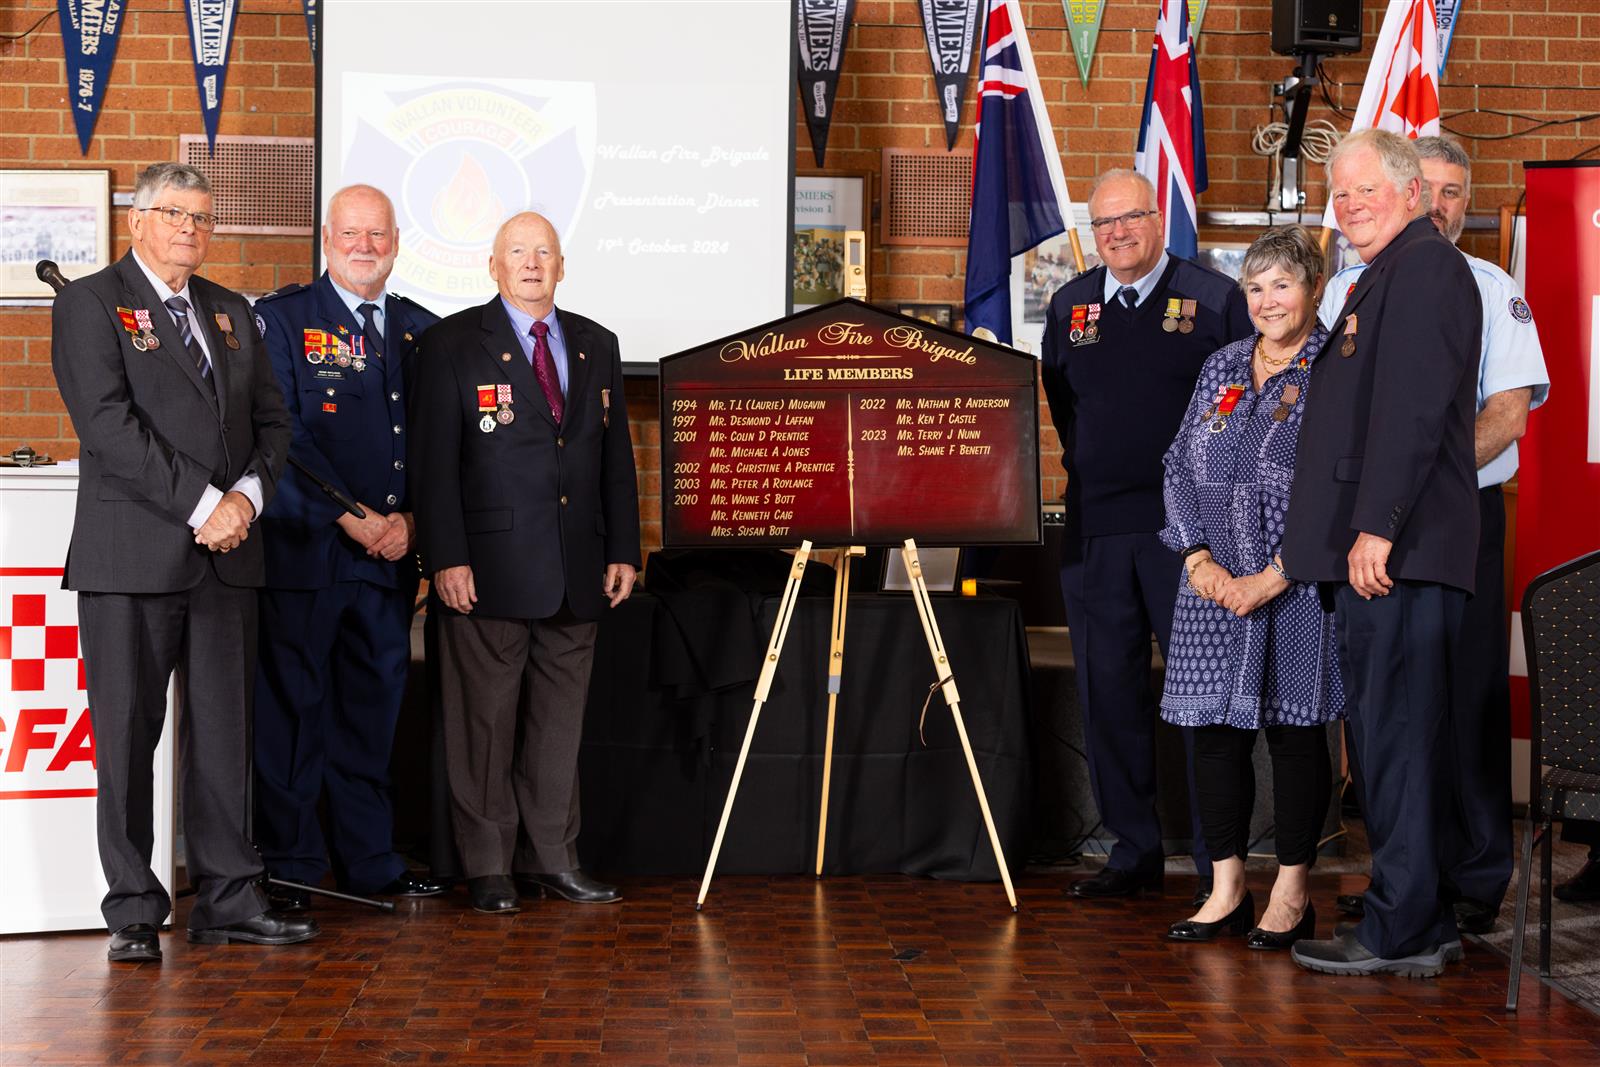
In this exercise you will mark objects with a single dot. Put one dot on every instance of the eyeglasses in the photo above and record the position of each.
(1127, 219)
(175, 217)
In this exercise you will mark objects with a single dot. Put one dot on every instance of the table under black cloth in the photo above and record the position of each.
(660, 741)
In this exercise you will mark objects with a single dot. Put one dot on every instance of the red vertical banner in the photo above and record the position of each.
(1558, 495)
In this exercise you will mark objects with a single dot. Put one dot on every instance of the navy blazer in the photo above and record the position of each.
(538, 510)
(154, 434)
(1387, 447)
(349, 427)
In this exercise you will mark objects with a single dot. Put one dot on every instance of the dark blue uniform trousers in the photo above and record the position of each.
(1482, 852)
(1117, 589)
(1397, 653)
(328, 692)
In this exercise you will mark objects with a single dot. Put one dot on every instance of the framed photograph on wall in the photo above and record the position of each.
(1037, 274)
(60, 215)
(825, 206)
(1225, 257)
(938, 314)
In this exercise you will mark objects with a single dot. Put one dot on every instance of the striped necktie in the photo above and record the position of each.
(179, 307)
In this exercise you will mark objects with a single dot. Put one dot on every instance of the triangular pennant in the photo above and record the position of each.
(951, 28)
(210, 43)
(89, 34)
(824, 27)
(1083, 30)
(311, 23)
(1197, 15)
(1448, 13)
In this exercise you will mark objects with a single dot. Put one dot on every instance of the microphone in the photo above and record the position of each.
(50, 274)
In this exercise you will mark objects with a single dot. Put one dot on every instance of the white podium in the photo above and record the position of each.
(50, 875)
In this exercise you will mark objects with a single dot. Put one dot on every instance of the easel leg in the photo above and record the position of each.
(947, 685)
(841, 598)
(769, 666)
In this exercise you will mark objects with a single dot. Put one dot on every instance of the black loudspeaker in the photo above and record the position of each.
(1321, 26)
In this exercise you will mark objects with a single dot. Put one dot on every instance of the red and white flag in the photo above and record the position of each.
(1401, 93)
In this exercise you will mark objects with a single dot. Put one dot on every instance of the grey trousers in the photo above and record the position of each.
(512, 695)
(132, 644)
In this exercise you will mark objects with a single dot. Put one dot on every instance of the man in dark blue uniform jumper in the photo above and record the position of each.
(336, 612)
(1123, 348)
(1384, 513)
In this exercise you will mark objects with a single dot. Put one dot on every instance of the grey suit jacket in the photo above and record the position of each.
(153, 434)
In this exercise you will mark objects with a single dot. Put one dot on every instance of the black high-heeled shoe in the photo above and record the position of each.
(1236, 921)
(1282, 939)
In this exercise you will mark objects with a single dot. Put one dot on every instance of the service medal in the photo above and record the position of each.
(1227, 399)
(502, 398)
(1169, 321)
(1186, 323)
(147, 330)
(486, 424)
(1348, 348)
(359, 364)
(505, 416)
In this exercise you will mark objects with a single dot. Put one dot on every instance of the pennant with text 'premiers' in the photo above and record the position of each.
(823, 27)
(1447, 13)
(89, 30)
(311, 23)
(951, 27)
(210, 42)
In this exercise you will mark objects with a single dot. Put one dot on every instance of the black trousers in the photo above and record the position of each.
(1118, 589)
(512, 693)
(132, 644)
(1480, 850)
(1396, 654)
(1225, 780)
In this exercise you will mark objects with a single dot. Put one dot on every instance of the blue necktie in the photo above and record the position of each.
(1128, 295)
(179, 307)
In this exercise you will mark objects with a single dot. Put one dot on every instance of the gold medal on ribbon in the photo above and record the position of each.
(1348, 348)
(1169, 322)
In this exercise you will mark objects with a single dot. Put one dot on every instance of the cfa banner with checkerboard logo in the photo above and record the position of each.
(50, 875)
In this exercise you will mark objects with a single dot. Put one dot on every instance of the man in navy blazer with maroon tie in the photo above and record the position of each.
(527, 516)
(1384, 514)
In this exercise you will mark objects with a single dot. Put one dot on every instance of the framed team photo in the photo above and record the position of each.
(59, 215)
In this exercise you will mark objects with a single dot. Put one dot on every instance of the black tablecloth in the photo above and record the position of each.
(671, 698)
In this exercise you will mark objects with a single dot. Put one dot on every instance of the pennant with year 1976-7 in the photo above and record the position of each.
(89, 31)
(823, 27)
(951, 28)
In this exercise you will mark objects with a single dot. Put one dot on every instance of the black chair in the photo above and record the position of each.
(1561, 631)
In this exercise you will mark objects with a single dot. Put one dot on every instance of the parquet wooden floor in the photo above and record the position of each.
(774, 971)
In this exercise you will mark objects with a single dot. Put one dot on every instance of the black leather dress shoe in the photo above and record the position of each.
(1269, 940)
(1353, 905)
(1583, 887)
(268, 928)
(135, 943)
(1202, 892)
(1114, 882)
(575, 886)
(287, 900)
(409, 885)
(1474, 916)
(493, 894)
(1237, 921)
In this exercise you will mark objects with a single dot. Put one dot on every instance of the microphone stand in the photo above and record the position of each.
(51, 275)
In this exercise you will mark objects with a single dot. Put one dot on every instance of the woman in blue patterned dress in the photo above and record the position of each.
(1251, 650)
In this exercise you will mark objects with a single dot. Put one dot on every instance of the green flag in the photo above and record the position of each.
(1083, 30)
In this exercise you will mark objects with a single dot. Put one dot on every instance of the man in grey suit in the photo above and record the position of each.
(183, 434)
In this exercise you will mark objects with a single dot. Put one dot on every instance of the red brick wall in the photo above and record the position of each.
(885, 99)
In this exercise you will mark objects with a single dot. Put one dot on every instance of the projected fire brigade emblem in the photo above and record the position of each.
(458, 158)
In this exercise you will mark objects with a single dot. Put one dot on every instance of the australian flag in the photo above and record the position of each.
(1172, 135)
(1019, 197)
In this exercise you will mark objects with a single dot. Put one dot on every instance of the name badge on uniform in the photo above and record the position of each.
(1169, 320)
(1348, 348)
(225, 324)
(486, 406)
(1286, 401)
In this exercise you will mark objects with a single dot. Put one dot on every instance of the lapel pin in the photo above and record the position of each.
(582, 356)
(408, 337)
(505, 357)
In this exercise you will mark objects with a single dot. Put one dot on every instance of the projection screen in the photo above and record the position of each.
(657, 136)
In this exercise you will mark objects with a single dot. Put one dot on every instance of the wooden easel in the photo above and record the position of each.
(946, 683)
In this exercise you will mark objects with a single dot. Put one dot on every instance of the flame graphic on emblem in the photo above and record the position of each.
(465, 210)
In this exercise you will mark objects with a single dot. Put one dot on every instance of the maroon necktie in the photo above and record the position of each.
(544, 368)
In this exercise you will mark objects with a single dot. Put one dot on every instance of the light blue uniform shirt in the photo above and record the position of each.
(354, 302)
(522, 322)
(1143, 285)
(1512, 357)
